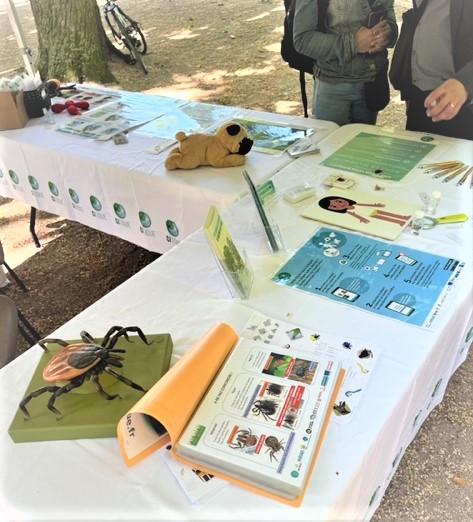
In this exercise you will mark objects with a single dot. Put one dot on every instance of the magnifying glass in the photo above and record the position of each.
(431, 222)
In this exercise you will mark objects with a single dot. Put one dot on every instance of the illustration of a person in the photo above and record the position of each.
(344, 205)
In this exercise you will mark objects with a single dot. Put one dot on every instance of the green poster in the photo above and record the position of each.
(382, 157)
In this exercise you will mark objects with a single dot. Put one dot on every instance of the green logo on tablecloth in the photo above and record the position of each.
(74, 196)
(172, 228)
(283, 276)
(119, 210)
(437, 387)
(53, 189)
(374, 495)
(33, 182)
(145, 220)
(14, 176)
(95, 202)
(469, 335)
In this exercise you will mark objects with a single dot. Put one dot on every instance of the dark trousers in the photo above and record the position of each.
(417, 120)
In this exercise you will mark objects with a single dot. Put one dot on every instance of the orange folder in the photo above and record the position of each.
(162, 414)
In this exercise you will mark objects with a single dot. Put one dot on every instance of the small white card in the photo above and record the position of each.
(303, 147)
(199, 486)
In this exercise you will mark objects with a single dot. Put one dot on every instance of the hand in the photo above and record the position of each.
(373, 40)
(445, 101)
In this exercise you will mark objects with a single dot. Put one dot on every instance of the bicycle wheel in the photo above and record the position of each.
(114, 29)
(129, 44)
(134, 32)
(137, 38)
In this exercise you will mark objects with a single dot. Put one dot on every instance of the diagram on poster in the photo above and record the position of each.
(384, 278)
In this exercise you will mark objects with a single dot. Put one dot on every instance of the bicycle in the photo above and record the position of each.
(126, 33)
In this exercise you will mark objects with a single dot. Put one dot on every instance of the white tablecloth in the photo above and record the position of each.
(184, 293)
(61, 173)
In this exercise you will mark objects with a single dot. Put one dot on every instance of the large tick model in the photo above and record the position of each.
(78, 362)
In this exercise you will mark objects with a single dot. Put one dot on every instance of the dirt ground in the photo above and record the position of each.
(224, 52)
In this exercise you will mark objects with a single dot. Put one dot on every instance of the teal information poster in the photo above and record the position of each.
(383, 157)
(383, 278)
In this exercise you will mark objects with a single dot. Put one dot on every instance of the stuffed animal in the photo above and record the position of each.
(226, 148)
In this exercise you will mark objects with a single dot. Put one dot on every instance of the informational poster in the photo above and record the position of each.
(189, 117)
(383, 278)
(383, 157)
(272, 137)
(365, 212)
(108, 120)
(93, 97)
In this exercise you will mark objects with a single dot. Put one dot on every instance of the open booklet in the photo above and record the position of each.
(250, 413)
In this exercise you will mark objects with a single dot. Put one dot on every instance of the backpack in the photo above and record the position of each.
(303, 64)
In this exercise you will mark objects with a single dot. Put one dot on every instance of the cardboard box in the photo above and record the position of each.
(12, 110)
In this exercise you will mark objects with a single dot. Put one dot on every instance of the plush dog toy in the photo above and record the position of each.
(226, 148)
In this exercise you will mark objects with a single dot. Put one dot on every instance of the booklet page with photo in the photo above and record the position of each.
(257, 417)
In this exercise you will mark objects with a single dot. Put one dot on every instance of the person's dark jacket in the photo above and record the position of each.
(461, 19)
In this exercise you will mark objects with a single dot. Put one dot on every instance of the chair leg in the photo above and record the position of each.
(26, 336)
(32, 227)
(27, 330)
(15, 277)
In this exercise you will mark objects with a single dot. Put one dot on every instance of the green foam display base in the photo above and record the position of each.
(86, 414)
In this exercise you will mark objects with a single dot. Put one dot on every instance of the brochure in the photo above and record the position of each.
(231, 261)
(252, 414)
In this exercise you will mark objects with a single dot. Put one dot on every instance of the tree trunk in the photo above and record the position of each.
(71, 41)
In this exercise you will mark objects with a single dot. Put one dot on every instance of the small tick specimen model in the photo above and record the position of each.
(78, 362)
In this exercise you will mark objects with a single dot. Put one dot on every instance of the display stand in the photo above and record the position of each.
(238, 282)
(272, 231)
(275, 241)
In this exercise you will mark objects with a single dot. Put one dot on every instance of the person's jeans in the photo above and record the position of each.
(341, 103)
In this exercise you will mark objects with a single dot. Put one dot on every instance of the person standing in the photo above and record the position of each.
(348, 55)
(440, 100)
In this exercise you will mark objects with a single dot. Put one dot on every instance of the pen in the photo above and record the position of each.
(464, 177)
(433, 168)
(441, 167)
(440, 164)
(455, 174)
(267, 227)
(444, 172)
